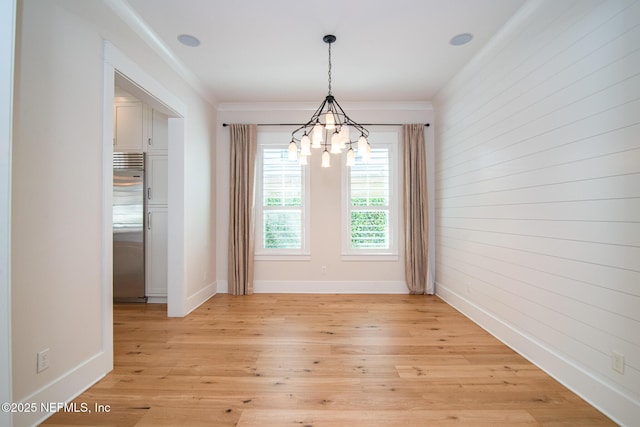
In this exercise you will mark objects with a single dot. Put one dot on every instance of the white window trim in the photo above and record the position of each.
(388, 140)
(267, 139)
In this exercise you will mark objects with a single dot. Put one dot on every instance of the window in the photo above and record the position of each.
(281, 201)
(369, 216)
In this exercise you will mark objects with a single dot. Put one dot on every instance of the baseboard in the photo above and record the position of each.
(329, 287)
(196, 300)
(156, 300)
(615, 404)
(322, 287)
(63, 390)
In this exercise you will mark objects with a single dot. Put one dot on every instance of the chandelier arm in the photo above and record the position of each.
(312, 121)
(318, 112)
(293, 134)
(349, 121)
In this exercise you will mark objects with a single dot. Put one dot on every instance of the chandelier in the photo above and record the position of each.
(329, 128)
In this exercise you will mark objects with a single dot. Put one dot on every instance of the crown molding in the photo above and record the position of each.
(493, 47)
(131, 18)
(313, 106)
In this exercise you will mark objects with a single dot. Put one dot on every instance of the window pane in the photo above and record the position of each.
(369, 229)
(281, 179)
(370, 181)
(283, 229)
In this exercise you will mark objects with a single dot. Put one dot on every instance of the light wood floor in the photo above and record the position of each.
(320, 360)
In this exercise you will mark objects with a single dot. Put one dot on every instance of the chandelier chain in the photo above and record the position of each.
(329, 69)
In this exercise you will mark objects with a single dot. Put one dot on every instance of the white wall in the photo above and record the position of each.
(57, 193)
(56, 199)
(338, 276)
(7, 44)
(538, 194)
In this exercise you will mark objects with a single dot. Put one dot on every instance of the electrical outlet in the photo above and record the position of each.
(323, 270)
(617, 362)
(43, 360)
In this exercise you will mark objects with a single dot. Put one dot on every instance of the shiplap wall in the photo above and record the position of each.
(538, 193)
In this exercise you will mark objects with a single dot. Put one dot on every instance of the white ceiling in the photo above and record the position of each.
(267, 51)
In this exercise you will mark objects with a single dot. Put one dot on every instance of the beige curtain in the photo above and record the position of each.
(241, 208)
(415, 205)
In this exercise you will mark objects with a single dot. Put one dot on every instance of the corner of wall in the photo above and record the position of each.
(47, 400)
(581, 382)
(223, 286)
(200, 297)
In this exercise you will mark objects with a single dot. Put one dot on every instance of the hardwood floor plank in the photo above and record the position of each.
(473, 371)
(355, 418)
(320, 360)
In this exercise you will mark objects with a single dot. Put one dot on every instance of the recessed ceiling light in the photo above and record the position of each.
(461, 39)
(188, 40)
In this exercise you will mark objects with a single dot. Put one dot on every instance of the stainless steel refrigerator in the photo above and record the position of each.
(128, 227)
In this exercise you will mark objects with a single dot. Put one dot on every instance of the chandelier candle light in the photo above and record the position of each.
(329, 128)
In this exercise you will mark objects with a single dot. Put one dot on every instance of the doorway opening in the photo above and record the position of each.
(121, 71)
(140, 196)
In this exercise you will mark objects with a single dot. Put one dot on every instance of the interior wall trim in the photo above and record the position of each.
(7, 55)
(140, 27)
(313, 105)
(75, 379)
(176, 270)
(200, 297)
(611, 401)
(322, 287)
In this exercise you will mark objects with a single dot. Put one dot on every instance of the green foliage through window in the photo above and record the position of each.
(369, 230)
(368, 201)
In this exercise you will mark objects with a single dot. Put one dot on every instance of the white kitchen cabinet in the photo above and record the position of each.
(157, 180)
(158, 132)
(138, 127)
(156, 254)
(129, 126)
(157, 170)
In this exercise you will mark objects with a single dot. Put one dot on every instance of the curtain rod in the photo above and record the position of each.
(298, 124)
